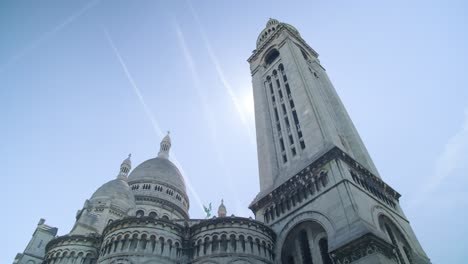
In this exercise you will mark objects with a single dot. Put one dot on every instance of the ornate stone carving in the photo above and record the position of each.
(364, 246)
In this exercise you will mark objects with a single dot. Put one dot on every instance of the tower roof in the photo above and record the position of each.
(272, 26)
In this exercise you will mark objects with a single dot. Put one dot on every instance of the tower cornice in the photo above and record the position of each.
(267, 42)
(312, 171)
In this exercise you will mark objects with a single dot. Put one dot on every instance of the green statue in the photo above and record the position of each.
(207, 211)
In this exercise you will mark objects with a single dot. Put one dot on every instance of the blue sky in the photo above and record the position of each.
(84, 83)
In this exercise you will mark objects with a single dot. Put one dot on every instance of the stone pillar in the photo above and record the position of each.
(297, 252)
(310, 240)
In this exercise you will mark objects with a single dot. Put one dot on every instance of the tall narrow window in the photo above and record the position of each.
(287, 88)
(408, 255)
(305, 249)
(394, 242)
(323, 244)
(282, 144)
(276, 115)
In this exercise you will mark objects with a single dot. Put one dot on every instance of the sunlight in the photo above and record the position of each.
(247, 102)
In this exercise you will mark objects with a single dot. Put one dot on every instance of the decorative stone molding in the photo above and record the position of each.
(306, 176)
(280, 28)
(218, 238)
(72, 248)
(366, 245)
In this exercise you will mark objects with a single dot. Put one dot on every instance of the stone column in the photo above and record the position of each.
(297, 252)
(310, 240)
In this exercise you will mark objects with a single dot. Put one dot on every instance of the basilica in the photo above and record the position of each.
(321, 198)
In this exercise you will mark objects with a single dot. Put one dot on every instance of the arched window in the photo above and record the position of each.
(161, 243)
(153, 215)
(233, 243)
(215, 244)
(305, 248)
(205, 245)
(296, 247)
(394, 242)
(242, 242)
(408, 255)
(323, 245)
(165, 217)
(271, 57)
(140, 213)
(224, 243)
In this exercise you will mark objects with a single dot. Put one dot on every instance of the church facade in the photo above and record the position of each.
(321, 197)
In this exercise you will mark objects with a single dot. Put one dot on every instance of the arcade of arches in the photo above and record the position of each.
(306, 243)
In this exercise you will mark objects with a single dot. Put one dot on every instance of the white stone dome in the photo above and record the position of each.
(118, 192)
(160, 170)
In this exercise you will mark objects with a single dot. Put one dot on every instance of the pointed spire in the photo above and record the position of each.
(125, 168)
(222, 209)
(165, 146)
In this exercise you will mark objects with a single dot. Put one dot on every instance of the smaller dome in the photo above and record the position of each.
(118, 192)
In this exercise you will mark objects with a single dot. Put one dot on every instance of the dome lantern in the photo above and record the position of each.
(125, 168)
(165, 146)
(222, 209)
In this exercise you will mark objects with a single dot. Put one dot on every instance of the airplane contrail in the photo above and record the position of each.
(150, 116)
(221, 74)
(193, 70)
(48, 34)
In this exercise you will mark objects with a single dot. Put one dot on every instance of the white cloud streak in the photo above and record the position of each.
(48, 34)
(207, 111)
(221, 75)
(137, 91)
(150, 116)
(453, 157)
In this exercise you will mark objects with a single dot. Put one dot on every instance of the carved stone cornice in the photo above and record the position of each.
(140, 221)
(364, 246)
(216, 222)
(162, 202)
(306, 175)
(266, 43)
(157, 182)
(74, 239)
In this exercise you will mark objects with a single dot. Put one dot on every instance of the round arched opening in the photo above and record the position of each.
(306, 243)
(402, 247)
(271, 56)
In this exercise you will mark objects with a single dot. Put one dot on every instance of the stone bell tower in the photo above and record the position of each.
(319, 188)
